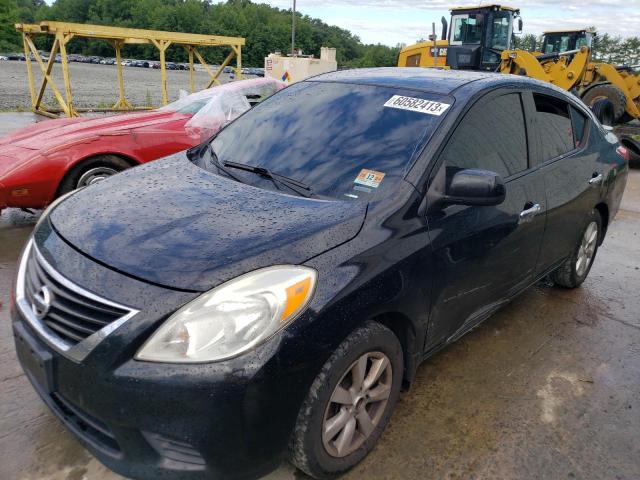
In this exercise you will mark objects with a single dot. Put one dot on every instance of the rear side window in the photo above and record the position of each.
(492, 136)
(554, 125)
(579, 124)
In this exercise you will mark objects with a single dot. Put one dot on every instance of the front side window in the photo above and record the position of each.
(467, 28)
(343, 140)
(492, 136)
(554, 125)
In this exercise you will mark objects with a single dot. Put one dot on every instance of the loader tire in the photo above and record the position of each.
(603, 110)
(611, 93)
(626, 118)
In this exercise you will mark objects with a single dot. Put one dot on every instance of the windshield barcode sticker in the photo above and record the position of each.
(417, 105)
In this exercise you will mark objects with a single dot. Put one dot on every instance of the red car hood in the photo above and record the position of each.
(52, 133)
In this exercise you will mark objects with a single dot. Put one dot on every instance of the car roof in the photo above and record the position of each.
(433, 80)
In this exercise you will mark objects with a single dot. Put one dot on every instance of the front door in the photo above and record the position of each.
(483, 255)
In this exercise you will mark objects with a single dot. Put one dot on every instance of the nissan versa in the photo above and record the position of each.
(267, 294)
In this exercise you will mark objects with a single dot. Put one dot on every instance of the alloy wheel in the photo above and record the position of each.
(357, 404)
(587, 248)
(94, 175)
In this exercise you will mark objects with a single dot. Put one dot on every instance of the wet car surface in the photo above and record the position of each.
(547, 387)
(550, 403)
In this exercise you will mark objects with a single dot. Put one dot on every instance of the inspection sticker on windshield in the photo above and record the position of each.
(417, 105)
(370, 178)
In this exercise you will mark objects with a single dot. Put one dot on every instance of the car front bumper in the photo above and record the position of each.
(146, 420)
(152, 422)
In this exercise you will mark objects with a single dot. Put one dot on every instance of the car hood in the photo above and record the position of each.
(53, 133)
(174, 224)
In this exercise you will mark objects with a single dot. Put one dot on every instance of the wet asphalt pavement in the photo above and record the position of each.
(548, 388)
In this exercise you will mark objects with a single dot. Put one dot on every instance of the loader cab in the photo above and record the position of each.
(567, 40)
(477, 36)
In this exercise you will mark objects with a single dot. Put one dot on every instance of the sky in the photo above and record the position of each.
(404, 21)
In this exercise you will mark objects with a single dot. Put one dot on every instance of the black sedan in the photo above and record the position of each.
(268, 293)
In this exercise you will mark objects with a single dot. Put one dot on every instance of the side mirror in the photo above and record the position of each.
(475, 187)
(520, 25)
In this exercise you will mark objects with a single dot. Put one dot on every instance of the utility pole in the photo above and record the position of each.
(293, 29)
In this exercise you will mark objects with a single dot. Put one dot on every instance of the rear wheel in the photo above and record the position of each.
(92, 170)
(349, 403)
(575, 269)
(608, 92)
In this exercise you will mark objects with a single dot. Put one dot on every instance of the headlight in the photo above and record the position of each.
(233, 317)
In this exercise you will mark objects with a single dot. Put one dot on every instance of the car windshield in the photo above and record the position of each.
(345, 141)
(563, 42)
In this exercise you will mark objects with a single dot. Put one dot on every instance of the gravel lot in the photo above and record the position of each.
(94, 85)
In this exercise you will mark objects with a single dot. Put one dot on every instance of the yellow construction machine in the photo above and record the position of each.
(474, 39)
(483, 37)
(566, 62)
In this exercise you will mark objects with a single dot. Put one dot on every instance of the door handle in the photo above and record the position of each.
(596, 179)
(527, 214)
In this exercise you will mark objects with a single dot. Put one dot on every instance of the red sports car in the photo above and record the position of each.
(42, 161)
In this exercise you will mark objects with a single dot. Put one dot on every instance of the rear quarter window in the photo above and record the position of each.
(579, 127)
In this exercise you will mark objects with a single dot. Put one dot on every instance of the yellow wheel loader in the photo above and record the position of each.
(566, 62)
(482, 38)
(473, 40)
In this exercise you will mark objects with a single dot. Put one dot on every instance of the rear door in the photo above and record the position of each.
(571, 173)
(483, 255)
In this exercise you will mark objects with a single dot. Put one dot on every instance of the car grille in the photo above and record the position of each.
(68, 314)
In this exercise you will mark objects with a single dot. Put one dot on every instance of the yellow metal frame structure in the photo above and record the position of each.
(117, 37)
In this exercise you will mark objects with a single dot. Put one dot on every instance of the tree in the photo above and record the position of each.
(12, 12)
(266, 29)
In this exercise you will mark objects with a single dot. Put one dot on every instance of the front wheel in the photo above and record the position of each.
(575, 269)
(349, 403)
(92, 170)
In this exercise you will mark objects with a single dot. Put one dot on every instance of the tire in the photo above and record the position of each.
(571, 274)
(90, 171)
(626, 118)
(611, 93)
(320, 456)
(603, 110)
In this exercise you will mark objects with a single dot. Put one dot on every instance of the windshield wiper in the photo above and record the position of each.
(299, 187)
(220, 166)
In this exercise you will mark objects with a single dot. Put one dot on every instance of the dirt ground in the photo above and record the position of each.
(548, 388)
(95, 85)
